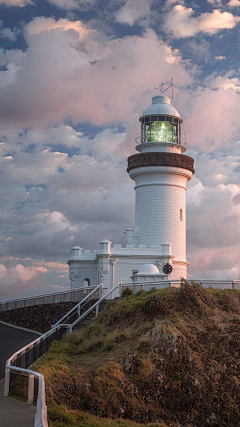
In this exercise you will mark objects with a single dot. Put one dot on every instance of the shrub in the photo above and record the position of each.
(126, 292)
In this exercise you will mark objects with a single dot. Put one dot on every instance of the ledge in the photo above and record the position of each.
(160, 159)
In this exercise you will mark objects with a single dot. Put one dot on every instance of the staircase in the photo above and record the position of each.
(90, 316)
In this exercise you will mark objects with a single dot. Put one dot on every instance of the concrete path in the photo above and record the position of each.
(11, 340)
(14, 413)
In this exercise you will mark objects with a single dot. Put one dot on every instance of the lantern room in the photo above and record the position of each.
(160, 126)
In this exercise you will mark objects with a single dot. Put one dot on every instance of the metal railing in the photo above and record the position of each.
(22, 359)
(146, 286)
(72, 295)
(97, 292)
(97, 304)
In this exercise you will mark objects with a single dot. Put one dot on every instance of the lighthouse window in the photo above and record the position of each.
(161, 131)
(181, 215)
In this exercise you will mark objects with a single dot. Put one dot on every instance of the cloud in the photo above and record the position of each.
(199, 49)
(219, 58)
(132, 11)
(66, 57)
(7, 33)
(215, 3)
(19, 3)
(225, 82)
(214, 111)
(41, 24)
(181, 24)
(16, 275)
(234, 3)
(72, 4)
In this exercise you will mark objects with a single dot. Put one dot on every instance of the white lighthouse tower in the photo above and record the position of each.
(161, 172)
(155, 250)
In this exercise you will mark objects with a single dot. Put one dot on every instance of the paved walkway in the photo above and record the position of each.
(11, 340)
(14, 413)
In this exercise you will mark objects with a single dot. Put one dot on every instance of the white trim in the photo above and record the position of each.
(160, 183)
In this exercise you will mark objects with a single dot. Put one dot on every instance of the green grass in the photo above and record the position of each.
(146, 325)
(61, 417)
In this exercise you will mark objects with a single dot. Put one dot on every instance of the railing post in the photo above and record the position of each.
(233, 287)
(78, 310)
(97, 309)
(101, 291)
(7, 382)
(30, 389)
(120, 289)
(143, 287)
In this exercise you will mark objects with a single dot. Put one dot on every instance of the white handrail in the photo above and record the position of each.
(40, 419)
(223, 284)
(41, 412)
(43, 299)
(78, 306)
(96, 305)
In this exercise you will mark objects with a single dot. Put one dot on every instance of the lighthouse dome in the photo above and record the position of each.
(161, 105)
(148, 269)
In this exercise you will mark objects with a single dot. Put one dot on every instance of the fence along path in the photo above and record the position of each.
(21, 360)
(72, 295)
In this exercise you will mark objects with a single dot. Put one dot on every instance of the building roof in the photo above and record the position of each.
(161, 104)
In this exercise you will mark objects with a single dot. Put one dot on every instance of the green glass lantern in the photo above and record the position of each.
(161, 132)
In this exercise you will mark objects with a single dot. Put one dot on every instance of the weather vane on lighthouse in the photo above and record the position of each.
(160, 88)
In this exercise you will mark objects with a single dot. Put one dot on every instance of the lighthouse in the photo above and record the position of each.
(155, 249)
(161, 171)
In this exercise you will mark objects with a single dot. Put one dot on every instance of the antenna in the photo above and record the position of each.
(160, 87)
(171, 85)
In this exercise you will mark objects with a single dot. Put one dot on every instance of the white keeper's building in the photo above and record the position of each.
(160, 171)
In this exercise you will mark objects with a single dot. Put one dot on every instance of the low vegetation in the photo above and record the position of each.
(166, 357)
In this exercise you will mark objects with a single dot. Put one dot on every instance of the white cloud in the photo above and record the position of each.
(72, 4)
(9, 276)
(215, 3)
(19, 3)
(234, 3)
(219, 58)
(66, 57)
(132, 11)
(41, 24)
(223, 82)
(181, 24)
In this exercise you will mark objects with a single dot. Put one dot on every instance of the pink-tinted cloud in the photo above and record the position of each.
(19, 3)
(55, 72)
(180, 22)
(132, 11)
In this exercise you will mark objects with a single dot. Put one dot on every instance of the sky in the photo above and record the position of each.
(75, 76)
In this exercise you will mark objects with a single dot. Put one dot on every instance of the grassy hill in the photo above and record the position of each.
(166, 357)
